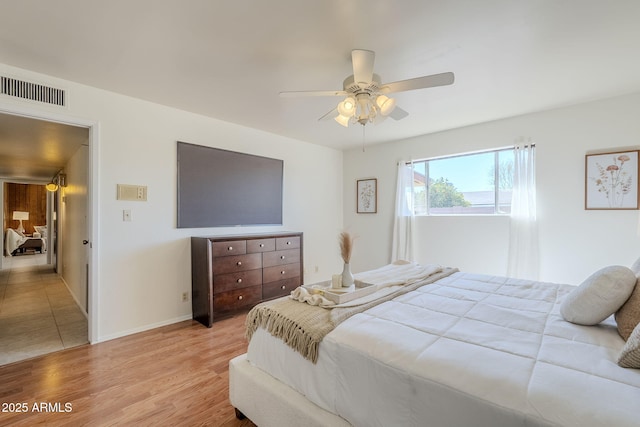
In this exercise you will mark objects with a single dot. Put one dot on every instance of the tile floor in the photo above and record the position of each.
(38, 315)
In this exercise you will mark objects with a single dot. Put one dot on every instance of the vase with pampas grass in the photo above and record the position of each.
(346, 246)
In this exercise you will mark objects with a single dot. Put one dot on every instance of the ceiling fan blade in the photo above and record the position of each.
(362, 65)
(398, 114)
(331, 114)
(434, 80)
(296, 94)
(379, 119)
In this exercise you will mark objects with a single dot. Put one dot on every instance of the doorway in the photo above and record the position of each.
(74, 225)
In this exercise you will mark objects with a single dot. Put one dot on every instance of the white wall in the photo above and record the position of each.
(144, 265)
(574, 242)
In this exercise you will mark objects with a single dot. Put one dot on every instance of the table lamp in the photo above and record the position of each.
(19, 215)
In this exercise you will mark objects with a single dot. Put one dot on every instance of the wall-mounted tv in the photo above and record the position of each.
(222, 188)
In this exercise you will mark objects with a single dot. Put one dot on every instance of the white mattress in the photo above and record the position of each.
(466, 350)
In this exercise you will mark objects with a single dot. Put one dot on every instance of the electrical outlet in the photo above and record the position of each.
(126, 215)
(185, 296)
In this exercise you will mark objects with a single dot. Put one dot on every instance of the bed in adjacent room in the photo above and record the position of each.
(447, 348)
(16, 242)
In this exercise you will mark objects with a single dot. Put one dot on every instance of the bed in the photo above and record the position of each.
(16, 242)
(452, 349)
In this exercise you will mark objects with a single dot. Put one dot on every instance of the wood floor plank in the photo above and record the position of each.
(175, 376)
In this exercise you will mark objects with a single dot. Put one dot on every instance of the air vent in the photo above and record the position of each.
(31, 91)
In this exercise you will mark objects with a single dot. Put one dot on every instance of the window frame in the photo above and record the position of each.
(496, 187)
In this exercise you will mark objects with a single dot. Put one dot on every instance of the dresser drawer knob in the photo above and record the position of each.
(281, 256)
(284, 287)
(282, 272)
(288, 243)
(262, 245)
(239, 263)
(239, 280)
(230, 248)
(240, 297)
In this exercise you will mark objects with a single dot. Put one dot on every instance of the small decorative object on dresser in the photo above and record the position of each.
(346, 246)
(230, 273)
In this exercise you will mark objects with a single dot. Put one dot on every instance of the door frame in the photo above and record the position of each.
(93, 213)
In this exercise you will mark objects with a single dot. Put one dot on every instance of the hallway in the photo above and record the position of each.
(37, 313)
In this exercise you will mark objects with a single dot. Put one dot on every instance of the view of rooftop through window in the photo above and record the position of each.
(479, 183)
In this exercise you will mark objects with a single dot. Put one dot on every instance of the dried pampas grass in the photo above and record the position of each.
(346, 246)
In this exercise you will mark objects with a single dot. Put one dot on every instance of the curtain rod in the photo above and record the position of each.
(468, 153)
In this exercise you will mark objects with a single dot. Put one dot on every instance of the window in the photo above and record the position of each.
(468, 184)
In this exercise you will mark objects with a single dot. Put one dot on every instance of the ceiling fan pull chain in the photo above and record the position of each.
(363, 138)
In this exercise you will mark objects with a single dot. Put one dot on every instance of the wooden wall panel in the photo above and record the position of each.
(30, 198)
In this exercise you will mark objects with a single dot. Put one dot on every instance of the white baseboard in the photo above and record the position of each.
(74, 297)
(142, 328)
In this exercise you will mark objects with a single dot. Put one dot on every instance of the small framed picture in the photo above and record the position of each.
(367, 195)
(611, 180)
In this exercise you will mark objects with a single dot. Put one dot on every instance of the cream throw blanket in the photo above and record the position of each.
(302, 326)
(384, 279)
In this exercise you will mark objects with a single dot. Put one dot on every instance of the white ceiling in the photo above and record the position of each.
(230, 59)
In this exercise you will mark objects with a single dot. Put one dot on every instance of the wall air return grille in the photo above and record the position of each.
(32, 91)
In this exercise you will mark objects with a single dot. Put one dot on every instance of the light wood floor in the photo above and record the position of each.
(177, 375)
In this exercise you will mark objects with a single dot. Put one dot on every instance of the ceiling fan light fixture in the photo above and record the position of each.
(343, 120)
(366, 110)
(385, 104)
(347, 107)
(52, 186)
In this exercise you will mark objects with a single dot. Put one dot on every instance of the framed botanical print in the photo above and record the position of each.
(611, 180)
(367, 195)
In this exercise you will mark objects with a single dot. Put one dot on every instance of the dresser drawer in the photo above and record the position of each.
(238, 298)
(269, 259)
(230, 264)
(280, 288)
(279, 272)
(232, 247)
(261, 245)
(239, 279)
(287, 242)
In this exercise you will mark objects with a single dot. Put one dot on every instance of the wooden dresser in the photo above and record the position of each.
(230, 273)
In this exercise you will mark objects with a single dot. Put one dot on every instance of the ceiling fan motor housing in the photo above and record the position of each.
(351, 86)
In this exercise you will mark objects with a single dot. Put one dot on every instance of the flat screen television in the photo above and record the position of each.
(222, 188)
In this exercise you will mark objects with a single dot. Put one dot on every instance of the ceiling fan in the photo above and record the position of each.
(366, 99)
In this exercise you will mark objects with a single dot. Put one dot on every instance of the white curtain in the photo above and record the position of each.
(404, 215)
(523, 239)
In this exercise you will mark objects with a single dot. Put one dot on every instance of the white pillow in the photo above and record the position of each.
(599, 296)
(42, 229)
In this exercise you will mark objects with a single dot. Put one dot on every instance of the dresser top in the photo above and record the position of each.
(250, 236)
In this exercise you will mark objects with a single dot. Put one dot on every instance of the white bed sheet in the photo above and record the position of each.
(13, 240)
(466, 350)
